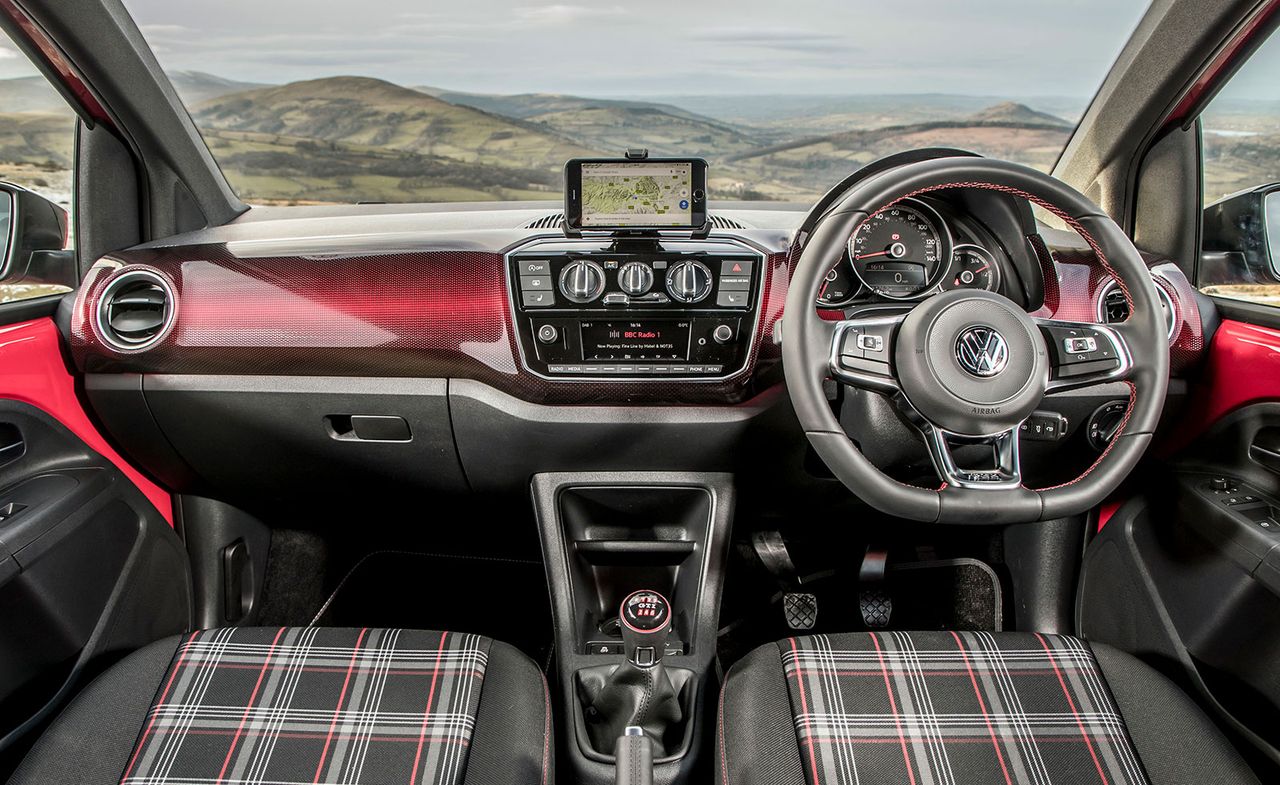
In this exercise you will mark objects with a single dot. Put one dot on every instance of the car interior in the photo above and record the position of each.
(954, 469)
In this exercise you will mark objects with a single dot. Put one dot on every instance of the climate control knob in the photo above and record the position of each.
(635, 277)
(582, 281)
(689, 282)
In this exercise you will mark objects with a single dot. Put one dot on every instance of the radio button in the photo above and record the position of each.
(538, 299)
(732, 299)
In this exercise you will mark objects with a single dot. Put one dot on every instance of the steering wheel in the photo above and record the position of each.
(968, 367)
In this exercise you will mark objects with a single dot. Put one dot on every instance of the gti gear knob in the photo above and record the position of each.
(646, 622)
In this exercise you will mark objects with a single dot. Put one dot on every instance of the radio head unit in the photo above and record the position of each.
(621, 194)
(639, 311)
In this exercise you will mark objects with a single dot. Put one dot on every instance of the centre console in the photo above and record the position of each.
(635, 309)
(635, 562)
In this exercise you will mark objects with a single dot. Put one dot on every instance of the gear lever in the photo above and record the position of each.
(638, 692)
(646, 623)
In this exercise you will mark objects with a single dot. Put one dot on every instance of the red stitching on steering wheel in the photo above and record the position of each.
(1102, 259)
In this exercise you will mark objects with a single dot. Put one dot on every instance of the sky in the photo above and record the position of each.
(656, 47)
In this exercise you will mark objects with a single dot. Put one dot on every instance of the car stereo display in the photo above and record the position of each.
(652, 339)
(644, 194)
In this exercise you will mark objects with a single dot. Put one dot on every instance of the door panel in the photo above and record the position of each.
(1187, 574)
(90, 566)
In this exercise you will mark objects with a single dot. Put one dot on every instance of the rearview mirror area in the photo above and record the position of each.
(34, 259)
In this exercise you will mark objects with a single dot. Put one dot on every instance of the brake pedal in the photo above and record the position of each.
(801, 610)
(873, 599)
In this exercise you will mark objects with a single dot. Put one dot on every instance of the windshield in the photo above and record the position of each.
(403, 101)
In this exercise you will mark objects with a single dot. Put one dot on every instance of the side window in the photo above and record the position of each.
(37, 132)
(1240, 150)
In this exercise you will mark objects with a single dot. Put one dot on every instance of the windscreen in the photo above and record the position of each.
(314, 101)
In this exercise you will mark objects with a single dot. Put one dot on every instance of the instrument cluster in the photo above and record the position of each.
(908, 251)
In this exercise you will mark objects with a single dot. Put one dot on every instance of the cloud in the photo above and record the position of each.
(781, 39)
(559, 14)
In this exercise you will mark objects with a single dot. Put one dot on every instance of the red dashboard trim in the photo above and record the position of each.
(431, 314)
(32, 372)
(1243, 368)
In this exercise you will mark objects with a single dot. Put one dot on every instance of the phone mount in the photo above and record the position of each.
(637, 154)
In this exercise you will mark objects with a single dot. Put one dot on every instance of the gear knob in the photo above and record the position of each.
(646, 623)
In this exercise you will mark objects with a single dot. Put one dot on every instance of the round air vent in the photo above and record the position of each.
(135, 311)
(1112, 307)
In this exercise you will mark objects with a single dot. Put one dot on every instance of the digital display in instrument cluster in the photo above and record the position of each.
(652, 339)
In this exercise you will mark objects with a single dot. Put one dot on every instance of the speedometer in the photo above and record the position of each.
(898, 252)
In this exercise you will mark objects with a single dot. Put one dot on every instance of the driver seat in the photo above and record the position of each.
(961, 708)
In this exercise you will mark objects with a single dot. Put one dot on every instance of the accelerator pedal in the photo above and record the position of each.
(874, 600)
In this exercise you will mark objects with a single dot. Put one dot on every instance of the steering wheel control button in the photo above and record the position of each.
(1084, 345)
(1044, 427)
(548, 333)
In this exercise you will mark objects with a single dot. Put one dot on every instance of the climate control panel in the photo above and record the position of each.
(635, 309)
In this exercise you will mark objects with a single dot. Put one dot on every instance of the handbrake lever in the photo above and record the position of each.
(633, 754)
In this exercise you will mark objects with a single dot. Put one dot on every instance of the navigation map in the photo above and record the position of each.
(636, 194)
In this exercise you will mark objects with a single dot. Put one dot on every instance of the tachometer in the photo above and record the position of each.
(898, 252)
(972, 267)
(839, 287)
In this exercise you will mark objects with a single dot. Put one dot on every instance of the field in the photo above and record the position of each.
(347, 139)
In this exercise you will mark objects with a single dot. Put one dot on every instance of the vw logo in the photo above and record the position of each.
(982, 351)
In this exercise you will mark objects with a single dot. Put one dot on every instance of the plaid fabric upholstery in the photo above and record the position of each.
(942, 708)
(313, 705)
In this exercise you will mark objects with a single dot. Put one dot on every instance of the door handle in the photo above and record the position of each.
(1264, 450)
(12, 446)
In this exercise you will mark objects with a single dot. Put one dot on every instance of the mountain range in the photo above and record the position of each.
(348, 138)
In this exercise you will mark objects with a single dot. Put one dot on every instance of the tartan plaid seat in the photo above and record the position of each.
(945, 708)
(314, 705)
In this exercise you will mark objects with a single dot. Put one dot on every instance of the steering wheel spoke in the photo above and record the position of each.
(862, 352)
(1083, 354)
(1003, 469)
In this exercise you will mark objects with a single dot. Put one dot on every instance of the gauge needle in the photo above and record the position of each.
(869, 255)
(823, 291)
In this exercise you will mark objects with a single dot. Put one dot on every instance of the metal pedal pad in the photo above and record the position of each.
(801, 609)
(876, 606)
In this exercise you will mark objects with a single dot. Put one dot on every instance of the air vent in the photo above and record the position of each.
(135, 311)
(554, 220)
(1113, 307)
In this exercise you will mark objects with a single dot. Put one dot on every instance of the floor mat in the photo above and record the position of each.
(441, 591)
(948, 594)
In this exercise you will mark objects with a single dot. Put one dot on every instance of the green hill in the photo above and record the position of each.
(371, 112)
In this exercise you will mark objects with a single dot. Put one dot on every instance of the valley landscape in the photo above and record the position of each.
(347, 138)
